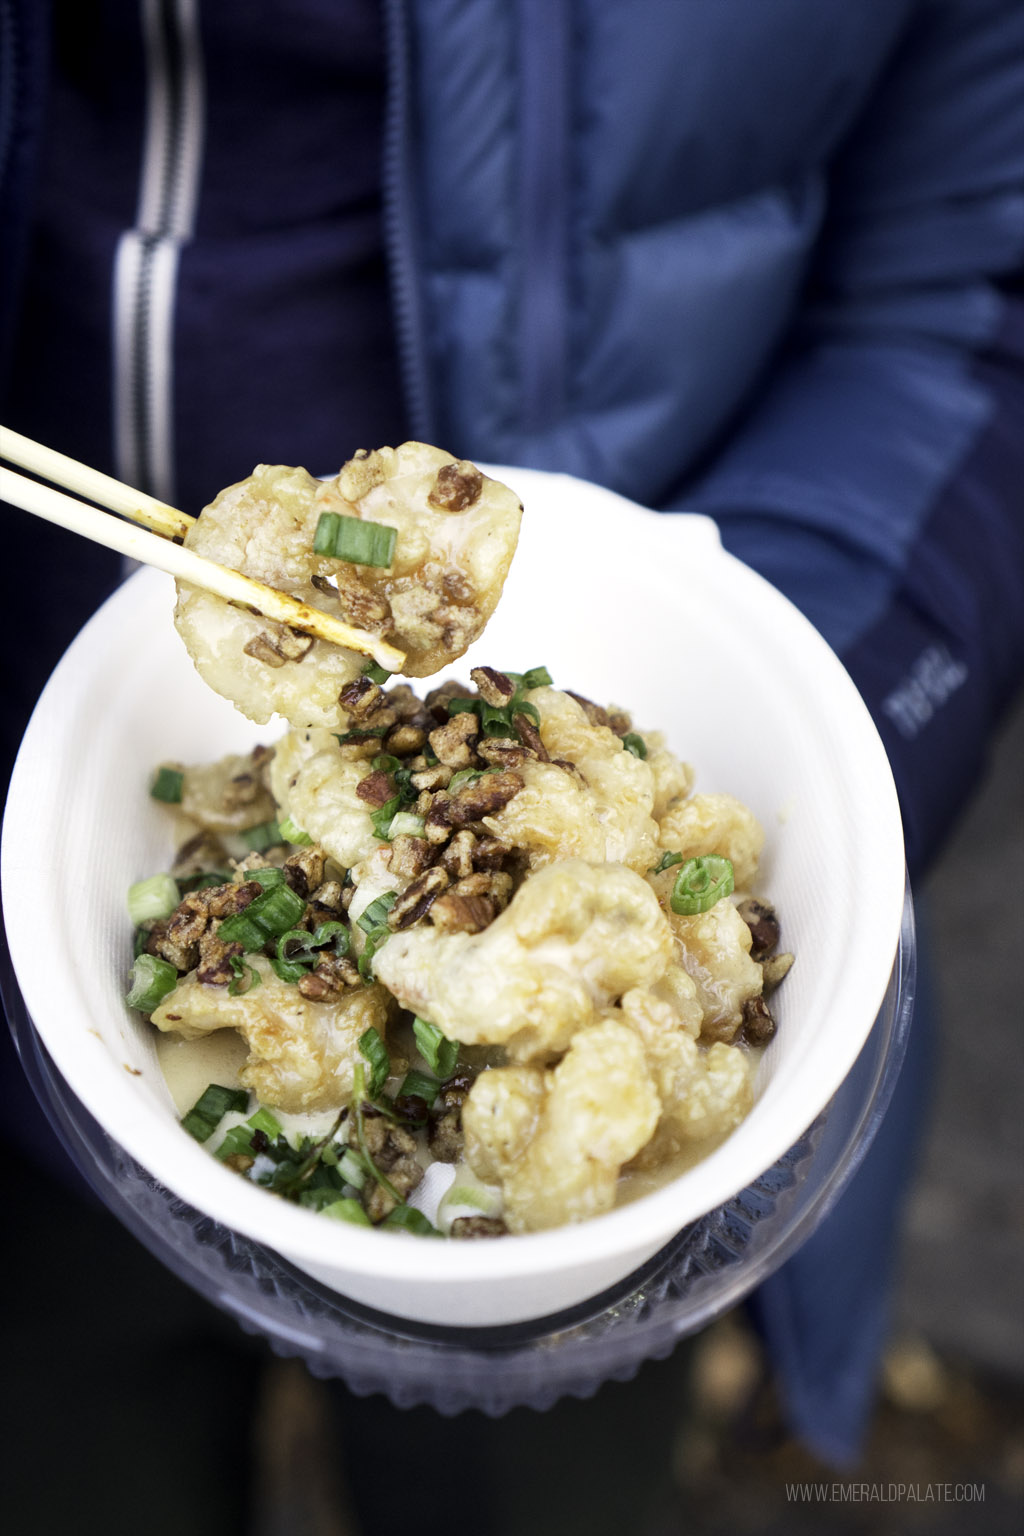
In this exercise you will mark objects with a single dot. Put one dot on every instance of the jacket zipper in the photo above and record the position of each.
(147, 259)
(545, 72)
(400, 227)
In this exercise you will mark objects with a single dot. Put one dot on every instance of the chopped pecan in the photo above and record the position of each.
(594, 713)
(327, 899)
(262, 648)
(457, 486)
(444, 1135)
(438, 819)
(415, 901)
(437, 699)
(329, 978)
(410, 856)
(503, 752)
(215, 959)
(405, 740)
(403, 1175)
(437, 777)
(376, 789)
(530, 737)
(760, 918)
(458, 856)
(452, 743)
(407, 707)
(177, 938)
(493, 686)
(490, 853)
(304, 869)
(453, 913)
(494, 884)
(758, 1025)
(363, 699)
(365, 607)
(478, 1226)
(484, 797)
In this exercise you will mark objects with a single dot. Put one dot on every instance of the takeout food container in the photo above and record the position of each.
(622, 605)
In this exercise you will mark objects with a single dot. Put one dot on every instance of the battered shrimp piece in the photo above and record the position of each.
(673, 779)
(714, 948)
(457, 533)
(602, 811)
(301, 1052)
(715, 824)
(703, 1094)
(500, 1117)
(315, 785)
(575, 937)
(601, 1108)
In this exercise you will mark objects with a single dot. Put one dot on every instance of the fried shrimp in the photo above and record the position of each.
(456, 535)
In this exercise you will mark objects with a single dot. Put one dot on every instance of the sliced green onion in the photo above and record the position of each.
(385, 763)
(260, 838)
(496, 721)
(523, 707)
(376, 913)
(293, 834)
(419, 1086)
(272, 913)
(700, 883)
(204, 881)
(373, 1048)
(352, 1168)
(237, 1143)
(537, 677)
(410, 1220)
(354, 539)
(374, 939)
(666, 861)
(152, 979)
(211, 1107)
(358, 1093)
(440, 1053)
(383, 818)
(347, 1210)
(267, 877)
(406, 824)
(328, 931)
(377, 674)
(461, 706)
(263, 1120)
(246, 977)
(635, 744)
(149, 900)
(465, 1199)
(167, 785)
(367, 735)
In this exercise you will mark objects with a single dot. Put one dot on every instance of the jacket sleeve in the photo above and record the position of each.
(878, 477)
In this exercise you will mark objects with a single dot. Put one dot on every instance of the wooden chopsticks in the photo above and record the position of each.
(153, 543)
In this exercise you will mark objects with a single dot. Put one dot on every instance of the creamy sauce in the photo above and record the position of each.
(190, 1066)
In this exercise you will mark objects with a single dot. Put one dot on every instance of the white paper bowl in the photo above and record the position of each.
(622, 605)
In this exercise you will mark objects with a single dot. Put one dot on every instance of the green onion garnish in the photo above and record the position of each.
(352, 1168)
(366, 735)
(385, 763)
(204, 881)
(211, 1107)
(167, 784)
(377, 674)
(293, 834)
(373, 1048)
(383, 818)
(358, 1094)
(149, 900)
(419, 1086)
(152, 979)
(246, 977)
(272, 913)
(406, 824)
(440, 1053)
(267, 877)
(293, 965)
(410, 1220)
(376, 913)
(666, 862)
(347, 1209)
(354, 539)
(374, 939)
(700, 883)
(635, 744)
(267, 835)
(266, 1122)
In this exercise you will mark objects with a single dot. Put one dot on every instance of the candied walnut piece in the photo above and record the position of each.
(758, 1025)
(484, 798)
(455, 913)
(503, 752)
(410, 856)
(490, 853)
(330, 977)
(438, 699)
(437, 777)
(444, 1135)
(376, 789)
(493, 884)
(530, 737)
(438, 820)
(452, 743)
(215, 959)
(405, 740)
(760, 918)
(177, 938)
(366, 703)
(478, 1226)
(262, 648)
(458, 856)
(415, 901)
(457, 487)
(493, 686)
